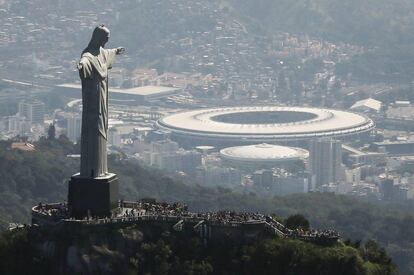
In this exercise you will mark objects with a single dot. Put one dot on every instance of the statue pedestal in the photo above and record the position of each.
(93, 196)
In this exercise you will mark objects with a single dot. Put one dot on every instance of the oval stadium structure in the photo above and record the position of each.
(262, 124)
(262, 155)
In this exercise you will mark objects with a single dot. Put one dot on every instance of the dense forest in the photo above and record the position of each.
(27, 178)
(183, 254)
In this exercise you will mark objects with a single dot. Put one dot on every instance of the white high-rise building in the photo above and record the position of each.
(164, 146)
(74, 127)
(325, 161)
(18, 125)
(114, 137)
(33, 111)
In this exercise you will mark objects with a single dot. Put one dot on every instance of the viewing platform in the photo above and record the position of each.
(176, 217)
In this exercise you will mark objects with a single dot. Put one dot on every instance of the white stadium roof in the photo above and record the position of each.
(264, 153)
(146, 90)
(292, 123)
(143, 91)
(368, 103)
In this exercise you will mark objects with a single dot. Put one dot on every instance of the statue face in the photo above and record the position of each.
(105, 40)
(105, 35)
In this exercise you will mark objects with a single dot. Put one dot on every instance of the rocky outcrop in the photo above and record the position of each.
(87, 250)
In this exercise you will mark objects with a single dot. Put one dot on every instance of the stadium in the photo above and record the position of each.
(263, 155)
(228, 126)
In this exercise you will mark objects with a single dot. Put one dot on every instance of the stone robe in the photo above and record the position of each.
(94, 77)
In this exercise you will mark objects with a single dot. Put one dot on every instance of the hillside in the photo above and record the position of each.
(153, 31)
(384, 28)
(367, 22)
(27, 178)
(132, 251)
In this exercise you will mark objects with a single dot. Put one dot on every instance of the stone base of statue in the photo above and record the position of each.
(93, 196)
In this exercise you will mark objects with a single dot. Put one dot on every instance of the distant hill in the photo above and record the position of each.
(150, 29)
(368, 22)
(383, 27)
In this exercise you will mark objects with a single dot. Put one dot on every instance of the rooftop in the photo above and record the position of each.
(368, 103)
(23, 146)
(141, 91)
(145, 90)
(264, 152)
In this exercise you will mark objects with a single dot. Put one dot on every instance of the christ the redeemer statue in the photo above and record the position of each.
(94, 191)
(93, 71)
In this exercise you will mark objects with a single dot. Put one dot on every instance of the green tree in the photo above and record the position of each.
(297, 221)
(51, 132)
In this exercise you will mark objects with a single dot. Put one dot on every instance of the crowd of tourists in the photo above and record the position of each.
(314, 234)
(181, 210)
(129, 211)
(56, 211)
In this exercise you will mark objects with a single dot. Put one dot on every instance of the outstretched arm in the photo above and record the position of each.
(110, 55)
(120, 50)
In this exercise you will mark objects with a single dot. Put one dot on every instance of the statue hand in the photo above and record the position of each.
(120, 50)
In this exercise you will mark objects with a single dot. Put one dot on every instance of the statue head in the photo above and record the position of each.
(99, 38)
